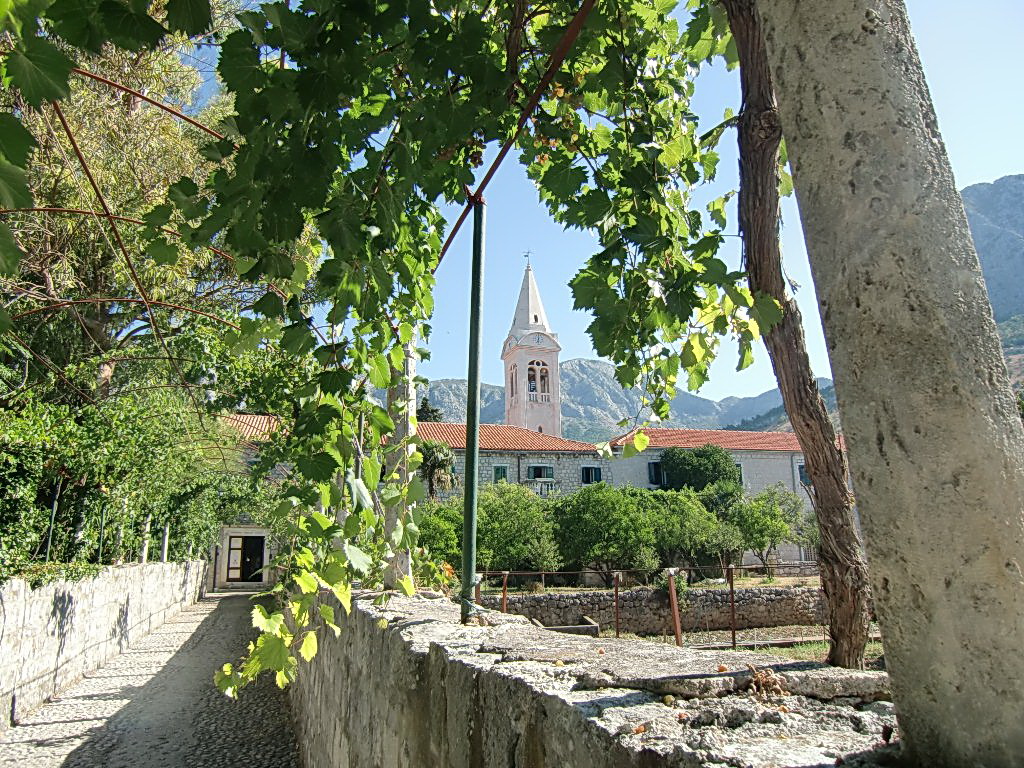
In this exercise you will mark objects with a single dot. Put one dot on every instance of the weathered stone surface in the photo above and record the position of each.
(51, 636)
(156, 706)
(429, 691)
(646, 611)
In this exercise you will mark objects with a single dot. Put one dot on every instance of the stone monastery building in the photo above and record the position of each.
(529, 448)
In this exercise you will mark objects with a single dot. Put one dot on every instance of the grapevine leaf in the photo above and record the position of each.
(39, 70)
(189, 16)
(16, 143)
(358, 491)
(306, 582)
(641, 441)
(307, 650)
(319, 467)
(10, 253)
(358, 559)
(14, 191)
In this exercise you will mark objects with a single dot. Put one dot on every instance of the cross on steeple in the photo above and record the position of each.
(527, 255)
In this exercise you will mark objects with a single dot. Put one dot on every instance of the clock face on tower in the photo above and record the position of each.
(538, 339)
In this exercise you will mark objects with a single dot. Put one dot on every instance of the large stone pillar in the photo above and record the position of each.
(934, 438)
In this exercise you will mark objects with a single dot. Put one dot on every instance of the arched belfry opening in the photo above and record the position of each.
(530, 354)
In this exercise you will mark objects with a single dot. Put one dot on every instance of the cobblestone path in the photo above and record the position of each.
(155, 706)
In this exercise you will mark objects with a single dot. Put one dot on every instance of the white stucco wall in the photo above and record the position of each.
(760, 470)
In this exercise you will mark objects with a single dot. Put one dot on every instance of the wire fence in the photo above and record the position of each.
(604, 581)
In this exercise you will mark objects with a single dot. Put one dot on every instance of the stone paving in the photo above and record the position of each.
(156, 706)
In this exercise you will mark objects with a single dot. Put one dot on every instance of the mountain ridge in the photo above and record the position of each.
(593, 403)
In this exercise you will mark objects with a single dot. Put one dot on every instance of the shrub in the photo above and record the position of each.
(681, 523)
(441, 531)
(697, 468)
(605, 528)
(514, 531)
(765, 519)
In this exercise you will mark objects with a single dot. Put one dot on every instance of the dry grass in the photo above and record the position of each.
(817, 651)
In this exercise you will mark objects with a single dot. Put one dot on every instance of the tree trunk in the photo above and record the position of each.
(844, 576)
(144, 554)
(402, 407)
(935, 443)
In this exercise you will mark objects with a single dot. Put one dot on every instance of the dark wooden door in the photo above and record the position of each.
(245, 558)
(252, 558)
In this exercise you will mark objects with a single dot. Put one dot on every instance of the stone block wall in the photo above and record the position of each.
(567, 469)
(408, 686)
(646, 611)
(51, 636)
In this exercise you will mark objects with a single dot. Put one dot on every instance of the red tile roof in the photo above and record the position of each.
(730, 439)
(501, 437)
(257, 427)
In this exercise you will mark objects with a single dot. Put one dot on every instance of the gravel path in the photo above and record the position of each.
(155, 705)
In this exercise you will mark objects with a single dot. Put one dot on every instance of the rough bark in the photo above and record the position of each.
(844, 576)
(935, 443)
(402, 407)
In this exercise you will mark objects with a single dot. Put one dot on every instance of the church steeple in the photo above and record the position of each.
(529, 314)
(530, 354)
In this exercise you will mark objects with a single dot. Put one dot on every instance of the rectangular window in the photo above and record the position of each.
(654, 473)
(540, 472)
(591, 475)
(740, 468)
(802, 472)
(500, 472)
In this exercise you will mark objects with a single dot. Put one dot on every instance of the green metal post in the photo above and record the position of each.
(476, 300)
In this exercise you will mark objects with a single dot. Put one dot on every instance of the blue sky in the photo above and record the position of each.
(971, 58)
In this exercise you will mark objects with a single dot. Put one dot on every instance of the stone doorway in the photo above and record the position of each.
(245, 558)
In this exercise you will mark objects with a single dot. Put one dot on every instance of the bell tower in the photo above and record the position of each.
(530, 353)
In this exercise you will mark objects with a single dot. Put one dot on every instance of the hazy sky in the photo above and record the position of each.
(971, 55)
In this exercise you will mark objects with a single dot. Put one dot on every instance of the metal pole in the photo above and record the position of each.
(476, 589)
(476, 300)
(53, 519)
(674, 603)
(616, 603)
(732, 607)
(504, 591)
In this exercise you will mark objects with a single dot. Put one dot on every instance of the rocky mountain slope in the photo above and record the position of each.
(996, 215)
(593, 403)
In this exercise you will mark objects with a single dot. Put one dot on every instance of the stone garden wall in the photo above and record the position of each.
(646, 611)
(408, 686)
(51, 636)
